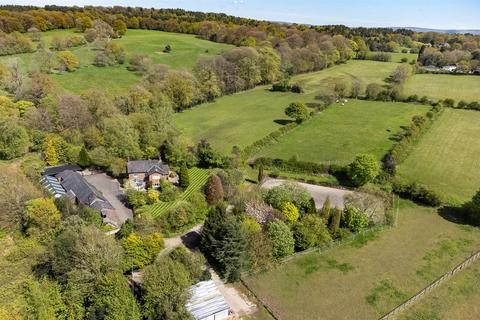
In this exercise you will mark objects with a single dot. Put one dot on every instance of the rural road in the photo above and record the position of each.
(188, 239)
(319, 193)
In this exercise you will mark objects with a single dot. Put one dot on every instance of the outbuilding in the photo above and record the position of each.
(207, 302)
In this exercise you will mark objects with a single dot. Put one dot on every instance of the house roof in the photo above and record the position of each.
(51, 171)
(86, 194)
(147, 166)
(206, 300)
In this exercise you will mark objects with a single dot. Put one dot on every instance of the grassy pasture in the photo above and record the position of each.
(442, 86)
(364, 70)
(186, 50)
(456, 299)
(238, 119)
(447, 157)
(366, 278)
(340, 132)
(245, 117)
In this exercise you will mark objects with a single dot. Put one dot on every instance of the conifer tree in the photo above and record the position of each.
(261, 174)
(184, 179)
(83, 158)
(326, 209)
(335, 223)
(51, 155)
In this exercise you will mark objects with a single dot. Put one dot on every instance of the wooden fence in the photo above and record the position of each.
(431, 286)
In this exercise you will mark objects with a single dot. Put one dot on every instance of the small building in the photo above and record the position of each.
(53, 186)
(207, 302)
(143, 173)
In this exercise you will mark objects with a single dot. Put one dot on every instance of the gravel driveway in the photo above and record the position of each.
(319, 193)
(110, 188)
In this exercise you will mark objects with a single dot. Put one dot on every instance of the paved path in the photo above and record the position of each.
(319, 193)
(238, 303)
(110, 188)
(189, 239)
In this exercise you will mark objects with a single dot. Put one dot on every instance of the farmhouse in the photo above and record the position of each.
(207, 302)
(143, 173)
(66, 181)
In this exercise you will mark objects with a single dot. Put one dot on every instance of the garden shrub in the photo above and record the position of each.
(281, 237)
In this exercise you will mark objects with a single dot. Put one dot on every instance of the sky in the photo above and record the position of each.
(440, 14)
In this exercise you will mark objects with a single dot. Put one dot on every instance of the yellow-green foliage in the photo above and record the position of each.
(68, 60)
(250, 225)
(141, 250)
(40, 216)
(290, 212)
(152, 196)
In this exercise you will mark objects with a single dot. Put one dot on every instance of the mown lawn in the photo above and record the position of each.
(456, 299)
(365, 279)
(442, 86)
(186, 50)
(447, 158)
(339, 133)
(198, 178)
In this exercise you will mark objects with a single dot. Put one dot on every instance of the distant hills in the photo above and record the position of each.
(449, 31)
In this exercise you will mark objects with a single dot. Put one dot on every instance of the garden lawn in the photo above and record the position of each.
(239, 119)
(198, 178)
(455, 299)
(368, 277)
(339, 133)
(442, 86)
(447, 157)
(186, 50)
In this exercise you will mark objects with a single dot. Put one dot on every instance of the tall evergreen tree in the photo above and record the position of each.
(230, 249)
(326, 209)
(214, 190)
(83, 158)
(261, 174)
(335, 223)
(184, 178)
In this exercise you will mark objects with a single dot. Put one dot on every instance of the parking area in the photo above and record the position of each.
(111, 190)
(319, 193)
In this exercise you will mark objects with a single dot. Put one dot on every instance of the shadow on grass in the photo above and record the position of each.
(283, 122)
(455, 215)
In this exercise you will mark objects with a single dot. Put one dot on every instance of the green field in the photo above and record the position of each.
(456, 299)
(365, 279)
(198, 178)
(447, 157)
(239, 119)
(340, 132)
(364, 70)
(186, 50)
(245, 117)
(442, 86)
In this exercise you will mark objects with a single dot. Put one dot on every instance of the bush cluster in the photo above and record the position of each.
(417, 193)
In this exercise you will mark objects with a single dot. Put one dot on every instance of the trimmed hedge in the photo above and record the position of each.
(407, 138)
(417, 193)
(293, 165)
